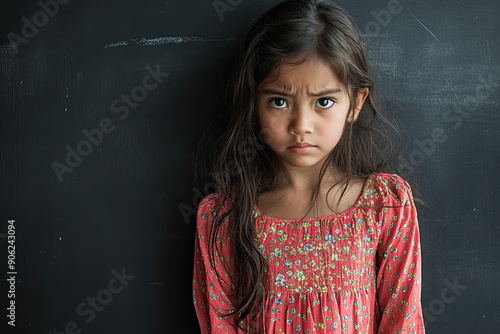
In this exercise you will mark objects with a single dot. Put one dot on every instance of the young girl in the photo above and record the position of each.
(305, 233)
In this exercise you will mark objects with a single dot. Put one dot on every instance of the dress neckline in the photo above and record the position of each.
(357, 204)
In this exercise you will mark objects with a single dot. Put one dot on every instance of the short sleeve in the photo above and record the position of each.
(399, 264)
(209, 296)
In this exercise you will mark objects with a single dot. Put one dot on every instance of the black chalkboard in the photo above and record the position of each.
(103, 103)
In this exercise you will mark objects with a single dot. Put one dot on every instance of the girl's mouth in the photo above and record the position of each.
(301, 147)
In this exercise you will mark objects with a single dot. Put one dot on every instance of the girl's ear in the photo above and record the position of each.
(360, 99)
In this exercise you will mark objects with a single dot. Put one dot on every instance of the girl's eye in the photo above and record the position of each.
(278, 103)
(324, 103)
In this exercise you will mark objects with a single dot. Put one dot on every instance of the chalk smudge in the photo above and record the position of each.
(166, 40)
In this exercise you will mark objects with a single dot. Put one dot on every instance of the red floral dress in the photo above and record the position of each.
(354, 272)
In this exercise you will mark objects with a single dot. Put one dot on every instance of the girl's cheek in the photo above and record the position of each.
(276, 124)
(271, 128)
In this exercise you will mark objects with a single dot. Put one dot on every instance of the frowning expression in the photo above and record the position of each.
(302, 111)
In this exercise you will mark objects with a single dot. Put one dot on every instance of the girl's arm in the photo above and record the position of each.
(399, 267)
(200, 298)
(208, 296)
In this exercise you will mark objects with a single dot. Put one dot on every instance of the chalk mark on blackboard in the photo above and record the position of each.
(166, 40)
(154, 283)
(424, 26)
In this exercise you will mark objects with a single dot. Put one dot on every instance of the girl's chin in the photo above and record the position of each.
(303, 162)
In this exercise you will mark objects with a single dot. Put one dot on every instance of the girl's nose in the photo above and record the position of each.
(301, 122)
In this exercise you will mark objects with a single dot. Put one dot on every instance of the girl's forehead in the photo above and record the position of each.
(311, 72)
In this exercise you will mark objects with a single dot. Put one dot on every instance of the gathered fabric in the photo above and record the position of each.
(358, 271)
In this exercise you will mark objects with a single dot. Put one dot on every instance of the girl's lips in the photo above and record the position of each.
(303, 149)
(302, 144)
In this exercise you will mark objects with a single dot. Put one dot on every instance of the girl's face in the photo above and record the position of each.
(302, 113)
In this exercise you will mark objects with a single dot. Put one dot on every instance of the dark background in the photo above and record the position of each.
(129, 204)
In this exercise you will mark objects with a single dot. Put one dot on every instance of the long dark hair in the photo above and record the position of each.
(242, 163)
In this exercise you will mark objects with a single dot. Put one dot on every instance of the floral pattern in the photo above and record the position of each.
(354, 272)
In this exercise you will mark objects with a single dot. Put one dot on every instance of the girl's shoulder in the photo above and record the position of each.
(210, 209)
(387, 189)
(211, 205)
(212, 202)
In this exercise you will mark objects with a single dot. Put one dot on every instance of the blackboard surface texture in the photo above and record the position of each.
(102, 104)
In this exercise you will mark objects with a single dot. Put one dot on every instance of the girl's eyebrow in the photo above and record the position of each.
(285, 93)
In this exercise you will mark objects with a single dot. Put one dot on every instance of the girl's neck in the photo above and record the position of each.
(292, 201)
(305, 180)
